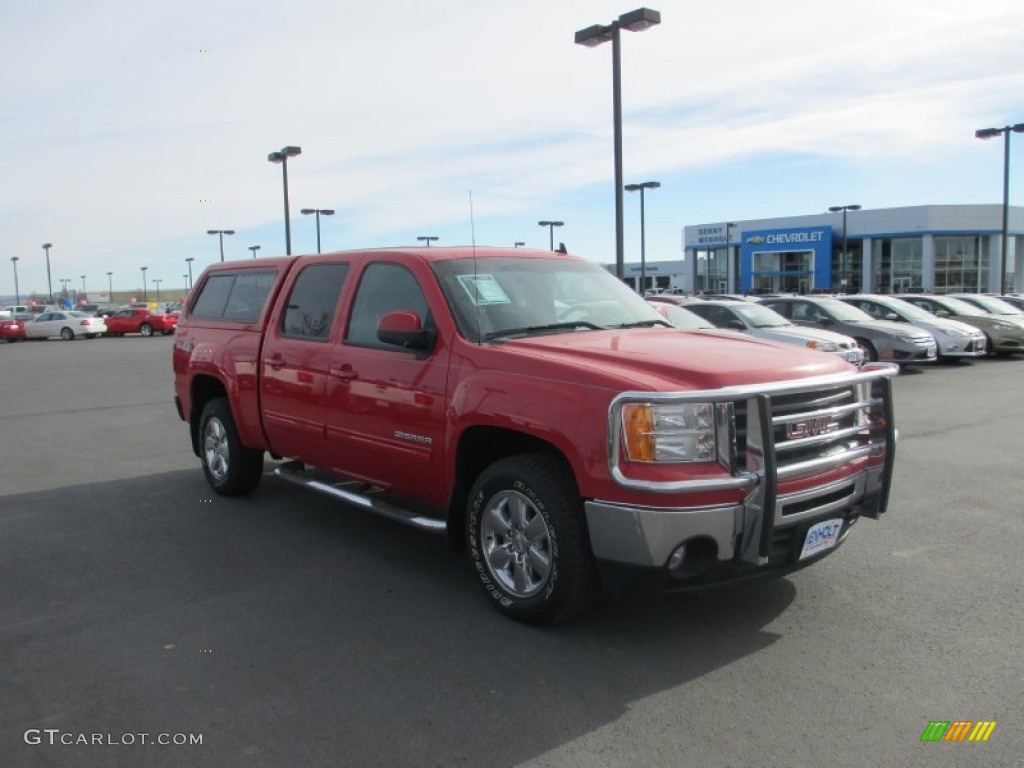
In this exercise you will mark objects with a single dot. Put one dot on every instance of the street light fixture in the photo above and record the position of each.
(254, 248)
(189, 261)
(156, 282)
(318, 212)
(427, 239)
(991, 133)
(282, 158)
(551, 231)
(843, 263)
(220, 233)
(643, 252)
(49, 282)
(110, 286)
(145, 294)
(519, 243)
(17, 291)
(634, 21)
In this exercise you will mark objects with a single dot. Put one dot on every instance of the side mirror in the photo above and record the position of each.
(736, 325)
(404, 329)
(824, 321)
(942, 313)
(893, 316)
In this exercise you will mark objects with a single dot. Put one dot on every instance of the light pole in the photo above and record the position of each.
(551, 231)
(635, 21)
(519, 243)
(220, 233)
(643, 251)
(254, 248)
(282, 158)
(156, 282)
(843, 264)
(64, 281)
(427, 239)
(17, 291)
(189, 261)
(85, 293)
(110, 286)
(49, 282)
(991, 133)
(318, 212)
(145, 295)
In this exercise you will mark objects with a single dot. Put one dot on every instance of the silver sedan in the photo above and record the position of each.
(953, 338)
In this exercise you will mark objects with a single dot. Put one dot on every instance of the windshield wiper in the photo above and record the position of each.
(645, 324)
(526, 331)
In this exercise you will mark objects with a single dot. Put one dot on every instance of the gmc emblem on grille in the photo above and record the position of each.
(810, 427)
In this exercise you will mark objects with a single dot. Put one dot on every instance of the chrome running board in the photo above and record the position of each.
(294, 473)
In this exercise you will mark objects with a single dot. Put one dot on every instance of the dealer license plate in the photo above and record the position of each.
(820, 537)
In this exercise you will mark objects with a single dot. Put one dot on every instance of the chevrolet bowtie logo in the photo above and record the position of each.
(755, 239)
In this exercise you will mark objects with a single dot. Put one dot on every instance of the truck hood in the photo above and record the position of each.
(663, 359)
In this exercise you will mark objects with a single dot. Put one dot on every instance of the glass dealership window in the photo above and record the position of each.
(712, 270)
(897, 264)
(960, 265)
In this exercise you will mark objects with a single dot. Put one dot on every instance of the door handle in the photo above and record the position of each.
(345, 373)
(276, 362)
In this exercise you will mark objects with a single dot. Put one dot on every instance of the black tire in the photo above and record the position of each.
(528, 540)
(146, 329)
(231, 469)
(67, 334)
(867, 350)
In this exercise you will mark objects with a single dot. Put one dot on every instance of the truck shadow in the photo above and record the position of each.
(293, 630)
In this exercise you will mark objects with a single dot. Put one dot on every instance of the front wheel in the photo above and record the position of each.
(867, 351)
(528, 539)
(231, 469)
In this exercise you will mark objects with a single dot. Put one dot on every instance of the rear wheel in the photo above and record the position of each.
(146, 329)
(528, 540)
(231, 469)
(67, 334)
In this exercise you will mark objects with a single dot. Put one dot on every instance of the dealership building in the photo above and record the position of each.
(931, 248)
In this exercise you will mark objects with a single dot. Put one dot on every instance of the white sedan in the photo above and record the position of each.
(67, 324)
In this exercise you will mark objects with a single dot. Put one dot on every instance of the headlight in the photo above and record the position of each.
(908, 338)
(1003, 327)
(953, 332)
(669, 432)
(823, 346)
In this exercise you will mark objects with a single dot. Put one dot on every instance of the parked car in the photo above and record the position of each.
(877, 339)
(14, 309)
(12, 329)
(762, 322)
(953, 338)
(1005, 334)
(994, 305)
(138, 320)
(1014, 300)
(68, 324)
(680, 317)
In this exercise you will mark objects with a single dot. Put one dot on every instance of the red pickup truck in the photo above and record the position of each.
(533, 408)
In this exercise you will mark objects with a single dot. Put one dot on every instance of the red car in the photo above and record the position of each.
(12, 330)
(138, 320)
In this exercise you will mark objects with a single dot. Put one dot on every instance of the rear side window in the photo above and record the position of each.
(238, 297)
(313, 301)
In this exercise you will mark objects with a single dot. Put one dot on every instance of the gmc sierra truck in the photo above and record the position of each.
(534, 409)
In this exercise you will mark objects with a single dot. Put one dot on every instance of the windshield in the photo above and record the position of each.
(495, 297)
(956, 306)
(994, 305)
(844, 313)
(76, 313)
(905, 308)
(759, 316)
(682, 318)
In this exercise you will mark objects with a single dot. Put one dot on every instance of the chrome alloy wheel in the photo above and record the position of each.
(517, 544)
(215, 448)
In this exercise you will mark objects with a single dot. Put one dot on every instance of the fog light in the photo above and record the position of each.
(675, 561)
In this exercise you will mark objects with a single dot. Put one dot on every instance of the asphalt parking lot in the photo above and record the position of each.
(285, 629)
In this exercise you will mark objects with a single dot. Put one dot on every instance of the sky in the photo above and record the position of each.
(131, 129)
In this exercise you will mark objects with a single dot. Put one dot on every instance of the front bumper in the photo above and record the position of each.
(962, 346)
